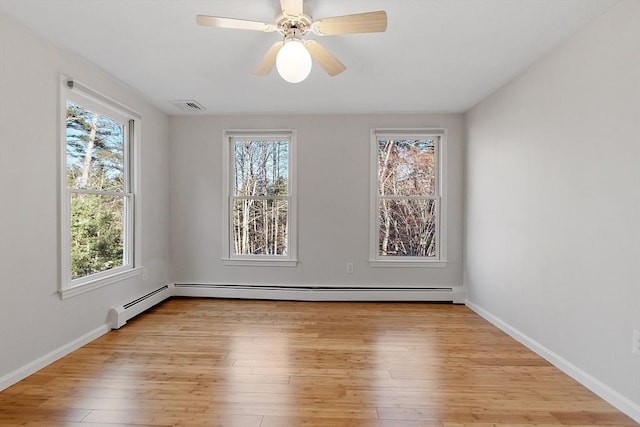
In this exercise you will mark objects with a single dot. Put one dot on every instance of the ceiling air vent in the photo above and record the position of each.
(188, 105)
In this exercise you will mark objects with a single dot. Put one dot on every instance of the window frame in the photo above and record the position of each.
(228, 171)
(440, 260)
(81, 95)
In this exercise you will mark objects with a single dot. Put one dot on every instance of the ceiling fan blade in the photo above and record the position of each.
(291, 7)
(267, 62)
(369, 22)
(327, 61)
(236, 24)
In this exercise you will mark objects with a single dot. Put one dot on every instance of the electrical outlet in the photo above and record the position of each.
(145, 274)
(636, 342)
(349, 268)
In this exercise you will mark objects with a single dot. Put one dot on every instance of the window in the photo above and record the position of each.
(97, 194)
(260, 210)
(407, 197)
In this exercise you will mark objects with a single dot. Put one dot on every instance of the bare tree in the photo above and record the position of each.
(406, 193)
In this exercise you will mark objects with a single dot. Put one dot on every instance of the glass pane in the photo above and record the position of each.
(407, 228)
(95, 151)
(260, 227)
(407, 167)
(97, 233)
(261, 168)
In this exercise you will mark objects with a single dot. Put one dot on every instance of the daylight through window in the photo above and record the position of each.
(97, 196)
(260, 197)
(406, 196)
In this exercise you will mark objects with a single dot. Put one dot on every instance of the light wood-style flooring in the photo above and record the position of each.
(208, 362)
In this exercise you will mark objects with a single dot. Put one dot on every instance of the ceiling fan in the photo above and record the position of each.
(292, 55)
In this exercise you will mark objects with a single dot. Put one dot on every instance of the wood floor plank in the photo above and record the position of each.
(209, 362)
(278, 421)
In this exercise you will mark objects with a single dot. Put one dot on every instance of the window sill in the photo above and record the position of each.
(260, 262)
(88, 286)
(408, 263)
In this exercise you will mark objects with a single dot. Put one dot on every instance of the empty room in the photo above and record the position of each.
(282, 213)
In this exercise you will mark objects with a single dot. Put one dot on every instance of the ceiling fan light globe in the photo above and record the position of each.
(293, 61)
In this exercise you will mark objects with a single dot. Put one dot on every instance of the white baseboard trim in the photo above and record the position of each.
(31, 368)
(616, 399)
(318, 293)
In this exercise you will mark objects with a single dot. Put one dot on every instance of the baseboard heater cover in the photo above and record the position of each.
(320, 293)
(119, 315)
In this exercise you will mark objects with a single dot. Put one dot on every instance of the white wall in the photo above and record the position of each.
(553, 202)
(33, 319)
(333, 200)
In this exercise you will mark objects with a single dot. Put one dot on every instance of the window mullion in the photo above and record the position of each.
(260, 197)
(387, 197)
(98, 192)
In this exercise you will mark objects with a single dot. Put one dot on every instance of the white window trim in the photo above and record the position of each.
(440, 260)
(230, 259)
(74, 91)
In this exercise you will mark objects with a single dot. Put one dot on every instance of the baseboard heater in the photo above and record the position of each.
(120, 314)
(320, 293)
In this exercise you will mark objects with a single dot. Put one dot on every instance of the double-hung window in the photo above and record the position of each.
(407, 197)
(97, 197)
(260, 209)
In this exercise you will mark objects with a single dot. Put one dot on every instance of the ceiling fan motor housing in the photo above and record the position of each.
(294, 26)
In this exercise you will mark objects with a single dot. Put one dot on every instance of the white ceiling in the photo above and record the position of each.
(436, 56)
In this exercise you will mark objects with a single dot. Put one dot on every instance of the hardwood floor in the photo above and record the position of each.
(207, 362)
